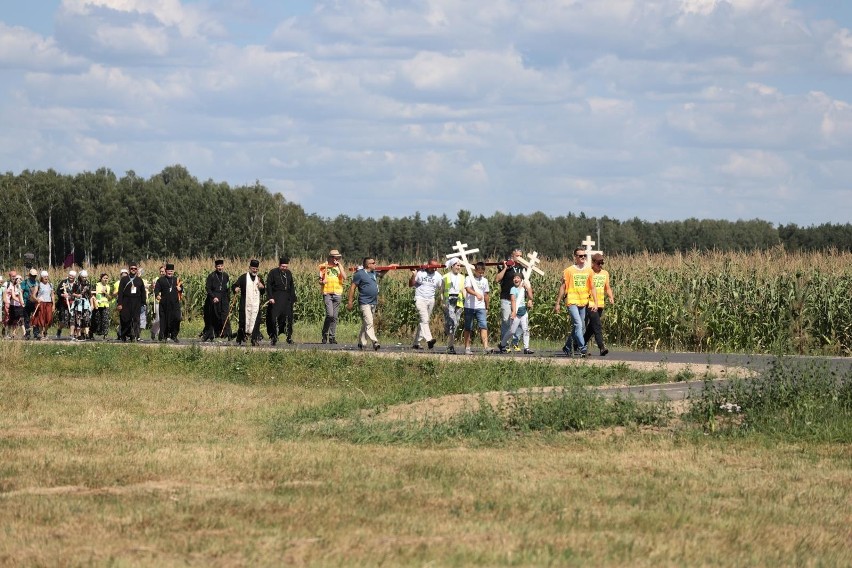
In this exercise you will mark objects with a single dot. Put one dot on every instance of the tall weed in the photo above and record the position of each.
(793, 400)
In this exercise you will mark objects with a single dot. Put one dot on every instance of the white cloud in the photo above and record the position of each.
(23, 49)
(192, 21)
(839, 50)
(755, 164)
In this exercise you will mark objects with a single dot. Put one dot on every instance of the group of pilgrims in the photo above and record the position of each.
(32, 304)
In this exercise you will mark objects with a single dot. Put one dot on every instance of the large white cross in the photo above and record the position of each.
(589, 243)
(462, 255)
(530, 265)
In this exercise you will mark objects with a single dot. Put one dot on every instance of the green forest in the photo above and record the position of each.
(101, 218)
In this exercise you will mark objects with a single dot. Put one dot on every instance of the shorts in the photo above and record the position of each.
(479, 314)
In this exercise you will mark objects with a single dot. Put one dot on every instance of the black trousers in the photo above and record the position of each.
(593, 327)
(129, 321)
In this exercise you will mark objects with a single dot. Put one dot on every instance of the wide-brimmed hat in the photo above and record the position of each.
(335, 253)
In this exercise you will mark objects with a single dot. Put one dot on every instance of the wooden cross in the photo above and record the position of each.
(462, 255)
(530, 265)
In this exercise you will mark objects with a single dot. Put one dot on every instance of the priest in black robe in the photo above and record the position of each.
(281, 290)
(217, 304)
(169, 290)
(129, 301)
(251, 288)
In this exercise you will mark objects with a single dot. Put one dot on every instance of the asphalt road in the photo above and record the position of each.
(672, 391)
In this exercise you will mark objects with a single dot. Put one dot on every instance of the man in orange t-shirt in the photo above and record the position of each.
(575, 290)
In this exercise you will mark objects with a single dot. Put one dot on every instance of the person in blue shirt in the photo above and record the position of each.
(366, 282)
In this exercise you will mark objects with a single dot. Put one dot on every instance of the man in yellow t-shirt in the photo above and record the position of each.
(598, 284)
(331, 278)
(575, 290)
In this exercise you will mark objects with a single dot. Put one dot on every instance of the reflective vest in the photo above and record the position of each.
(456, 288)
(598, 280)
(102, 295)
(332, 278)
(576, 286)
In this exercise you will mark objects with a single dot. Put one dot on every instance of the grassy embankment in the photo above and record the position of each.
(134, 455)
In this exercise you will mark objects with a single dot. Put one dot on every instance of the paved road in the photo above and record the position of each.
(673, 391)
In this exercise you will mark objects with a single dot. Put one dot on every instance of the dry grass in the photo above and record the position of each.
(133, 468)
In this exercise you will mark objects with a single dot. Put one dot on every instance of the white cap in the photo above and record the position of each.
(124, 271)
(84, 274)
(72, 273)
(44, 273)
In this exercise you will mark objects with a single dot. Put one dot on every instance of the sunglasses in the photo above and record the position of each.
(580, 255)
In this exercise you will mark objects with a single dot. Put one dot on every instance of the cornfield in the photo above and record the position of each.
(770, 301)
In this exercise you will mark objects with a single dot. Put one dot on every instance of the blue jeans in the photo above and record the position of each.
(578, 316)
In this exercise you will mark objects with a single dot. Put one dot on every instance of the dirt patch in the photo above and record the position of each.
(443, 408)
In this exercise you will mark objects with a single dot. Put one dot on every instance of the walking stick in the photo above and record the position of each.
(227, 317)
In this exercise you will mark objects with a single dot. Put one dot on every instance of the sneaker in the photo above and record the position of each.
(431, 343)
(604, 352)
(468, 352)
(451, 350)
(516, 347)
(376, 346)
(324, 340)
(332, 341)
(416, 346)
(273, 340)
(290, 341)
(582, 354)
(361, 346)
(528, 351)
(566, 350)
(502, 350)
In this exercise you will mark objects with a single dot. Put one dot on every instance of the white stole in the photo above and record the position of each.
(252, 296)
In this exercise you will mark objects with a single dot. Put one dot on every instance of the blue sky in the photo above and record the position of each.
(658, 109)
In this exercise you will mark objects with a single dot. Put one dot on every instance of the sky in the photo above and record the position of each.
(656, 109)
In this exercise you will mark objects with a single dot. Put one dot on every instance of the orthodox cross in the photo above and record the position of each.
(462, 255)
(530, 265)
(589, 243)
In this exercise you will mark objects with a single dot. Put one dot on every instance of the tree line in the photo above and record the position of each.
(100, 218)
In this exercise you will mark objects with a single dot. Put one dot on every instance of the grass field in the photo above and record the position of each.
(139, 455)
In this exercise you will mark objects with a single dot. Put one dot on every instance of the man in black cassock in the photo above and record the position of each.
(250, 287)
(131, 297)
(168, 290)
(281, 290)
(217, 304)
